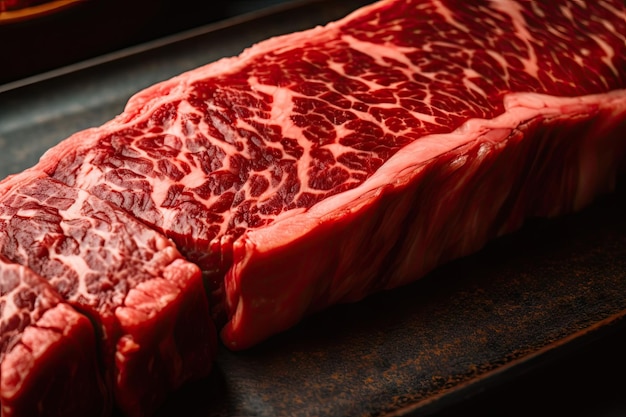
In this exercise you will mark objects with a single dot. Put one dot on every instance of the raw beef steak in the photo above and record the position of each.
(48, 358)
(319, 167)
(147, 302)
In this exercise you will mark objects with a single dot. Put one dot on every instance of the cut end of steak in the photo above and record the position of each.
(48, 351)
(168, 338)
(148, 304)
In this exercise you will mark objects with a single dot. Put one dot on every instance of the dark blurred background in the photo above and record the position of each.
(39, 42)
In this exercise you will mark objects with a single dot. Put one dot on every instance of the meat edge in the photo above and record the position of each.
(348, 233)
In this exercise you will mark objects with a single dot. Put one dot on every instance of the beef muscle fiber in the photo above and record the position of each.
(148, 303)
(48, 355)
(321, 166)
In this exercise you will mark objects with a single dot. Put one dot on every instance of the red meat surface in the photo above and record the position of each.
(48, 354)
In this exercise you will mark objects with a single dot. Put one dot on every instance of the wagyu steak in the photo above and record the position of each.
(321, 166)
